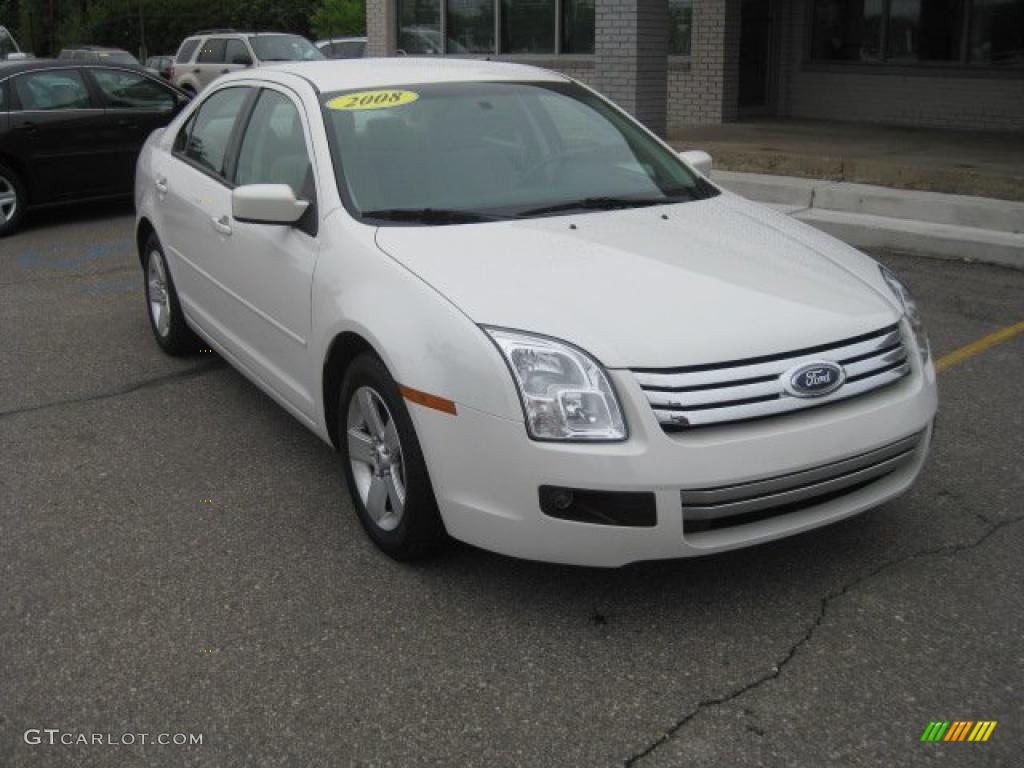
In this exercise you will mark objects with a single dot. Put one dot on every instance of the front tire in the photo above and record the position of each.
(384, 467)
(13, 200)
(165, 316)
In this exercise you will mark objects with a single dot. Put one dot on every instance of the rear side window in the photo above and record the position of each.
(52, 90)
(204, 139)
(237, 53)
(187, 49)
(212, 51)
(130, 90)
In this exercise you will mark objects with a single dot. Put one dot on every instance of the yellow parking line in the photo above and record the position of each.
(969, 350)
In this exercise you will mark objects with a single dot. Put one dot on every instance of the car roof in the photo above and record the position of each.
(94, 48)
(344, 74)
(8, 68)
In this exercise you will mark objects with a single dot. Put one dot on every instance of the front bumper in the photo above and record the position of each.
(486, 473)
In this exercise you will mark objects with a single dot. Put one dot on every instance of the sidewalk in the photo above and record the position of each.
(962, 227)
(958, 162)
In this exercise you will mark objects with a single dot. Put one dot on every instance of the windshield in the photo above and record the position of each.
(284, 48)
(476, 151)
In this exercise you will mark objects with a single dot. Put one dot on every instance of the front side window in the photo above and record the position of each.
(274, 147)
(205, 137)
(213, 51)
(54, 89)
(527, 26)
(925, 30)
(419, 26)
(497, 150)
(130, 90)
(680, 15)
(284, 48)
(470, 26)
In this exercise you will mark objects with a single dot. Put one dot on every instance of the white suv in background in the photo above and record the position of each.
(207, 55)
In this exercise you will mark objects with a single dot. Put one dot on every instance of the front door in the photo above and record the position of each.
(757, 59)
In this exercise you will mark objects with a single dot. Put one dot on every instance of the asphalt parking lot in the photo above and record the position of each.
(179, 555)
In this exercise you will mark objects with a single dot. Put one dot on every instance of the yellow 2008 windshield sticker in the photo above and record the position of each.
(372, 100)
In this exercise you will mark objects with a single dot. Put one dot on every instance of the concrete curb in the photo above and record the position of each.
(929, 223)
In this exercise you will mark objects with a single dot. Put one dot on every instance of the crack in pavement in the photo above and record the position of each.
(188, 373)
(776, 670)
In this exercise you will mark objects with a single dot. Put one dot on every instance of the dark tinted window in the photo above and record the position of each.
(212, 51)
(130, 90)
(209, 130)
(186, 51)
(680, 19)
(528, 27)
(52, 89)
(577, 26)
(997, 32)
(926, 30)
(847, 31)
(471, 26)
(419, 26)
(237, 53)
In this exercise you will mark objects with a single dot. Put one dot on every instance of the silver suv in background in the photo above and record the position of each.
(343, 47)
(207, 55)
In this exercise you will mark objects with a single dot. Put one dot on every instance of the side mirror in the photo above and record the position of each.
(697, 159)
(266, 204)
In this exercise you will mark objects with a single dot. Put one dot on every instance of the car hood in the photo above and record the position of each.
(666, 286)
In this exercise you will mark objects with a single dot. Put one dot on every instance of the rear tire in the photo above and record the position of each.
(384, 467)
(165, 316)
(13, 200)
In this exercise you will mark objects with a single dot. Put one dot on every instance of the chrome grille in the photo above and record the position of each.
(705, 395)
(709, 508)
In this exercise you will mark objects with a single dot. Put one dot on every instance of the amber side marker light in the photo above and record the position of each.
(427, 400)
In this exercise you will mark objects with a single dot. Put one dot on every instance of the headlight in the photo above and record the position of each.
(566, 394)
(909, 309)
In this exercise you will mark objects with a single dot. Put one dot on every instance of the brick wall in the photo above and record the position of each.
(920, 97)
(703, 90)
(631, 57)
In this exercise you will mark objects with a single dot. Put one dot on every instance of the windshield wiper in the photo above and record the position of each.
(599, 204)
(430, 215)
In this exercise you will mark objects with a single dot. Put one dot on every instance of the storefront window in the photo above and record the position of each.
(577, 26)
(988, 32)
(997, 32)
(925, 30)
(419, 26)
(847, 31)
(680, 15)
(470, 26)
(527, 26)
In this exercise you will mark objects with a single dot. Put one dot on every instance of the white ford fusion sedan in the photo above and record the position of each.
(522, 320)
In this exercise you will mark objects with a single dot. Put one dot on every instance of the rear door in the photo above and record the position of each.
(210, 62)
(135, 105)
(56, 127)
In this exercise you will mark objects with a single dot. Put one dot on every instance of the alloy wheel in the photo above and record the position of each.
(159, 298)
(8, 200)
(375, 453)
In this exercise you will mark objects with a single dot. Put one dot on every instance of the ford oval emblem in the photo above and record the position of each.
(814, 379)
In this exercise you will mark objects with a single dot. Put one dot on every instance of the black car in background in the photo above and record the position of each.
(71, 131)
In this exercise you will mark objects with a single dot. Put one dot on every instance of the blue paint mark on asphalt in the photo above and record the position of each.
(121, 284)
(57, 258)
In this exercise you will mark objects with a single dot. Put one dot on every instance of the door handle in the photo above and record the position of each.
(28, 127)
(221, 225)
(224, 71)
(196, 71)
(127, 124)
(161, 185)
